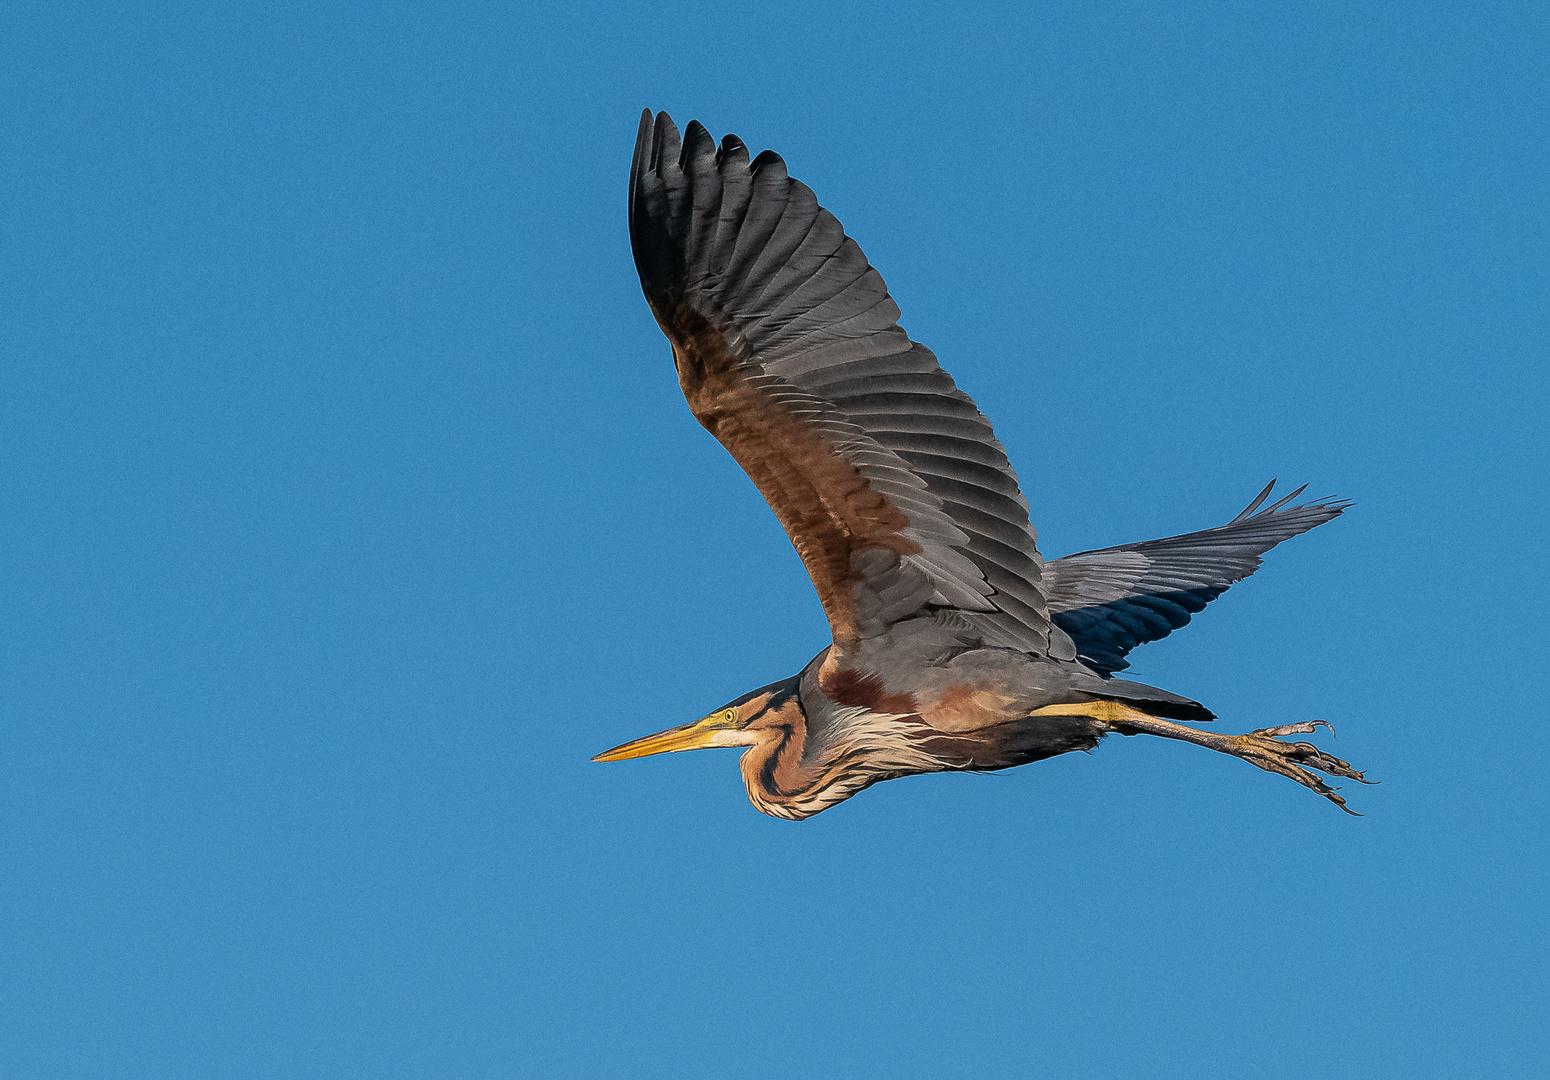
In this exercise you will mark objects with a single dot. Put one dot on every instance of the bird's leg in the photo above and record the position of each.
(1262, 748)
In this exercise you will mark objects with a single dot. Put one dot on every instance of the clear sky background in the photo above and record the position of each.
(348, 504)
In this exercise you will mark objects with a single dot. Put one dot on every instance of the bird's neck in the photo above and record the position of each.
(799, 767)
(779, 782)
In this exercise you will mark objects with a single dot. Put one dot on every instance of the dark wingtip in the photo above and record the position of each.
(698, 143)
(655, 166)
(732, 152)
(639, 161)
(769, 159)
(643, 135)
(1256, 503)
(665, 145)
(1284, 500)
(1335, 505)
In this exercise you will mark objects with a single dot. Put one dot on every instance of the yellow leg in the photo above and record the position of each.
(1261, 748)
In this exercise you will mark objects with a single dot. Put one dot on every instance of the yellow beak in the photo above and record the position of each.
(715, 730)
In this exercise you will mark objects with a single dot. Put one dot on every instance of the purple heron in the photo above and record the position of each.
(956, 646)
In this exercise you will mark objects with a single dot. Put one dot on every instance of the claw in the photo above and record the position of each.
(1263, 749)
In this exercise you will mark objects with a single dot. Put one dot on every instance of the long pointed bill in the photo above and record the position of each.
(715, 730)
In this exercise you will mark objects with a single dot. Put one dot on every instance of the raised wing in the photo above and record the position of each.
(889, 482)
(1112, 600)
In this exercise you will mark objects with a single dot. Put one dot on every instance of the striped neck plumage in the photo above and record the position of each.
(800, 767)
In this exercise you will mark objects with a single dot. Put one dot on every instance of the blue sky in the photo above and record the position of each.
(349, 505)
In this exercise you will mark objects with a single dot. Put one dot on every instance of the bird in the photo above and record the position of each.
(955, 645)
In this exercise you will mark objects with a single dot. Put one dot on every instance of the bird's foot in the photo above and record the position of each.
(1264, 749)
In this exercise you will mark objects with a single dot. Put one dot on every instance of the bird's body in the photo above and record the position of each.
(955, 645)
(821, 736)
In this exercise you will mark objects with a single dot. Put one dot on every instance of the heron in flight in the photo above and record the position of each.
(956, 646)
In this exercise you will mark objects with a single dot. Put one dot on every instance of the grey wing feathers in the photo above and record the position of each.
(1112, 600)
(811, 323)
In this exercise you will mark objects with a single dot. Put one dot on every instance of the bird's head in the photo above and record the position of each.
(756, 717)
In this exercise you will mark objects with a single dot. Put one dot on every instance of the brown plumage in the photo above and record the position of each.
(822, 500)
(955, 647)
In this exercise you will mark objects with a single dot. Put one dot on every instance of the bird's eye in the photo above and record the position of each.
(730, 716)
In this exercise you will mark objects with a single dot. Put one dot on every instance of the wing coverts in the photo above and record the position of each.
(890, 482)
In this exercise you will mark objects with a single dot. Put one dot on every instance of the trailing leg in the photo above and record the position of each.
(1262, 748)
